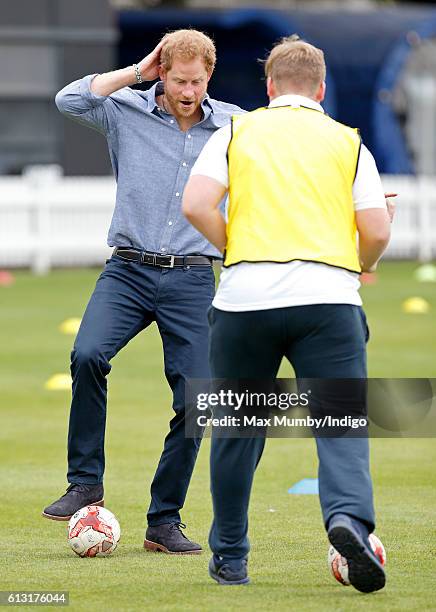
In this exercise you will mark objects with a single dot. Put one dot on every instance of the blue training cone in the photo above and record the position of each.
(307, 486)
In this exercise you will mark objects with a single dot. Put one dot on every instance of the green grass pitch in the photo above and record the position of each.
(289, 547)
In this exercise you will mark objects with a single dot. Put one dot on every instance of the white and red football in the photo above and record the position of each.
(92, 531)
(338, 564)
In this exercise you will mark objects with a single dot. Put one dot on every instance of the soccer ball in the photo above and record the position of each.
(338, 565)
(93, 531)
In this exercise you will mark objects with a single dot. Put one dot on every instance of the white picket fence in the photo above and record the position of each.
(48, 220)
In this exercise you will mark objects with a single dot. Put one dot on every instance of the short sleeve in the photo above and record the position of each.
(212, 161)
(367, 189)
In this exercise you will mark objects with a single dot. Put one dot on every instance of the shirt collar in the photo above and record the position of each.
(158, 89)
(151, 95)
(296, 101)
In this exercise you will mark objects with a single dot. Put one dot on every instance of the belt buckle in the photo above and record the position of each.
(171, 264)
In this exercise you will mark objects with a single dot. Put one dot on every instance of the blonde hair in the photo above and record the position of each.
(188, 44)
(296, 63)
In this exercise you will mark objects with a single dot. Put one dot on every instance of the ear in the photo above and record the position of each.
(321, 92)
(270, 88)
(162, 73)
(209, 74)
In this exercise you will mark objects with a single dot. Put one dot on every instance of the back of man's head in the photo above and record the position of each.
(188, 45)
(295, 66)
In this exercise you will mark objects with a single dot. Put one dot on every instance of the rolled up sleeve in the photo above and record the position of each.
(79, 103)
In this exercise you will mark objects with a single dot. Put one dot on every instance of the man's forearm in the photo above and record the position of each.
(374, 228)
(211, 224)
(148, 68)
(201, 200)
(105, 84)
(370, 251)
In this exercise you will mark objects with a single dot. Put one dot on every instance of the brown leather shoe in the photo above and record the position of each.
(168, 538)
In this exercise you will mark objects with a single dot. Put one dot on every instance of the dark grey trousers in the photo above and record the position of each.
(320, 341)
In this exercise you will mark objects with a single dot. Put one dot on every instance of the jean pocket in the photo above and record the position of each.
(202, 274)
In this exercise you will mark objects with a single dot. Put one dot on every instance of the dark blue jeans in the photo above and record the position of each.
(320, 341)
(127, 298)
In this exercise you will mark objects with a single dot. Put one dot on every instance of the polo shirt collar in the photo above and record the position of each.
(296, 101)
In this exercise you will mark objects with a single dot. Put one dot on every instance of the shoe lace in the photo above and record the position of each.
(178, 527)
(75, 487)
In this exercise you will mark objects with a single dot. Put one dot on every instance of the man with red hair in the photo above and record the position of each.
(161, 267)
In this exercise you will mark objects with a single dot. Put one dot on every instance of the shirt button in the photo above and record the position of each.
(163, 249)
(189, 136)
(184, 164)
(172, 121)
(177, 194)
(170, 222)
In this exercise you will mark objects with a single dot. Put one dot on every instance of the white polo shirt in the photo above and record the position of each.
(264, 285)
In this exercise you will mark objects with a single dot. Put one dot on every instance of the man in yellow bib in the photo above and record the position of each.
(301, 188)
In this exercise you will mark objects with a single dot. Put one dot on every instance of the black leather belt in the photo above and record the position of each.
(162, 261)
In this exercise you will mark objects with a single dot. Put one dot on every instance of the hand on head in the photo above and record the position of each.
(149, 66)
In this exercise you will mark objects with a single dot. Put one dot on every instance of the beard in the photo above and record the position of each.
(179, 106)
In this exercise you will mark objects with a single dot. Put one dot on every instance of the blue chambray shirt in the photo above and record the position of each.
(151, 158)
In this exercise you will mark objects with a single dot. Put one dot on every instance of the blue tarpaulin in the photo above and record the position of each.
(366, 52)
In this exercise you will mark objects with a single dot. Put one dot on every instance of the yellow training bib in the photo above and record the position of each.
(291, 172)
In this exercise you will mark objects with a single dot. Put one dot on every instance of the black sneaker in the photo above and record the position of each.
(77, 496)
(230, 571)
(365, 571)
(168, 538)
